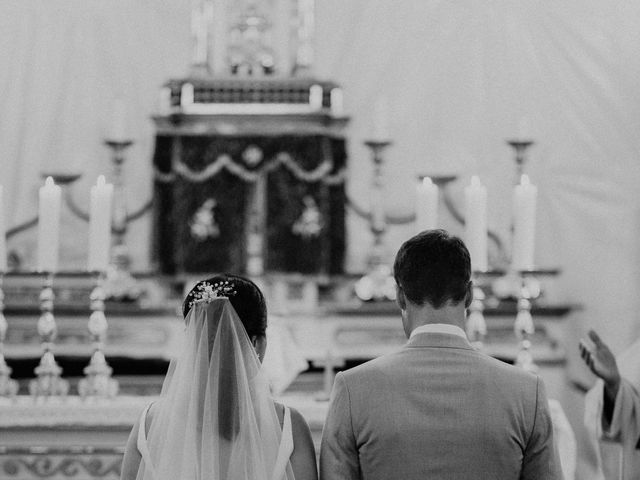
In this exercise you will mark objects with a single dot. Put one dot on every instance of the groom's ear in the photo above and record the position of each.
(469, 296)
(401, 300)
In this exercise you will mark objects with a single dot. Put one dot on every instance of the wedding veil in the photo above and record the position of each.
(215, 419)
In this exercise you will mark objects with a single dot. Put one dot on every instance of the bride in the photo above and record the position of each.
(215, 419)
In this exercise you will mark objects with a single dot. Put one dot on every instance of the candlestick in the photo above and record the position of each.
(524, 329)
(476, 224)
(47, 382)
(8, 387)
(48, 226)
(97, 381)
(524, 219)
(100, 225)
(3, 235)
(426, 205)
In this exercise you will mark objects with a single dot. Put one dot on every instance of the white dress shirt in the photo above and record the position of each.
(438, 328)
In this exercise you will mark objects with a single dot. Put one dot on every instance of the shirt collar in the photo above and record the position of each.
(438, 328)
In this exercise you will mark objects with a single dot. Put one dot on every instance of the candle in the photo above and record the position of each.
(118, 129)
(48, 226)
(100, 225)
(3, 233)
(187, 95)
(524, 222)
(380, 131)
(315, 97)
(475, 232)
(426, 205)
(337, 104)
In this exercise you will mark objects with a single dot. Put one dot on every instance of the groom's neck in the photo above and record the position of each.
(426, 314)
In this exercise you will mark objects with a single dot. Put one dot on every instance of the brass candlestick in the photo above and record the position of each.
(8, 387)
(97, 381)
(48, 381)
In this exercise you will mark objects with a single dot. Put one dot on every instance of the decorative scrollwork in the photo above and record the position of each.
(47, 467)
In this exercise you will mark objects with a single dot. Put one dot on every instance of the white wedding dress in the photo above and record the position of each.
(216, 419)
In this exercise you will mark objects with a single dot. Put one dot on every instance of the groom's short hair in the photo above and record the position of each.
(433, 267)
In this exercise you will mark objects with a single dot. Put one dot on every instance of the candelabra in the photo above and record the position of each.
(378, 283)
(48, 381)
(8, 387)
(97, 381)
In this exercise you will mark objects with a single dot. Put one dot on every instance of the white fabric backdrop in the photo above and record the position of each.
(458, 75)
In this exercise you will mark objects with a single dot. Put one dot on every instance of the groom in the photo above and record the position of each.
(437, 408)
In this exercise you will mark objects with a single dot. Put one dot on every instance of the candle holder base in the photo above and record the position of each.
(8, 386)
(48, 381)
(98, 381)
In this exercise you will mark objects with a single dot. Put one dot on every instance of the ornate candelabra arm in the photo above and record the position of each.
(8, 387)
(48, 381)
(22, 227)
(97, 381)
(132, 217)
(75, 209)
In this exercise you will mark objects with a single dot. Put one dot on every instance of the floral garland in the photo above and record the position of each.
(224, 161)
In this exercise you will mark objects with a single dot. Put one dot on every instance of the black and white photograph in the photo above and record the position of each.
(319, 240)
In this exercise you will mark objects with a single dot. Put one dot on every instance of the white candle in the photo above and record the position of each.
(3, 233)
(48, 226)
(426, 205)
(187, 95)
(315, 97)
(337, 102)
(524, 223)
(100, 225)
(380, 131)
(475, 232)
(118, 129)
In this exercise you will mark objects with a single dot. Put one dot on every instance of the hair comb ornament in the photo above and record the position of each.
(208, 292)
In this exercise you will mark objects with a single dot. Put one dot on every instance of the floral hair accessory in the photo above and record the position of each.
(208, 292)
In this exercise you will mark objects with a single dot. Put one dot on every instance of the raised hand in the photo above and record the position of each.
(599, 358)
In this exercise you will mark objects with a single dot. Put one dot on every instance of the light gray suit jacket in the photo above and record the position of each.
(438, 409)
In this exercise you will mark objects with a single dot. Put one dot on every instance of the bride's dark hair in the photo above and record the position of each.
(249, 303)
